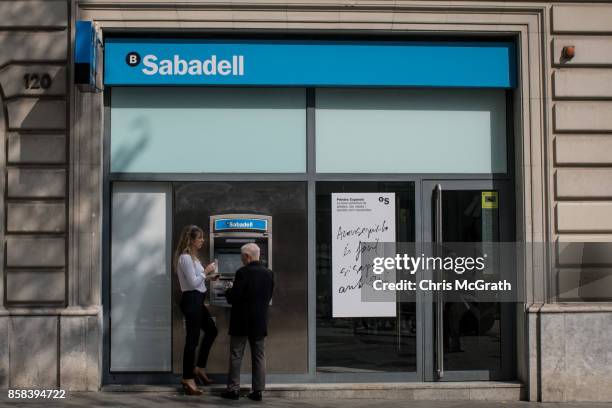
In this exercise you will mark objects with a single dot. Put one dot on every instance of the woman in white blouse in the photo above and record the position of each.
(192, 278)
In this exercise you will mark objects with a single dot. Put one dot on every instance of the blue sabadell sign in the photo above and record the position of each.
(308, 63)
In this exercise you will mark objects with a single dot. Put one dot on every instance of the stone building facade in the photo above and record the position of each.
(51, 155)
(41, 320)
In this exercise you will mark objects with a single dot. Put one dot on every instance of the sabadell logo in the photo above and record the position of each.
(152, 65)
(240, 224)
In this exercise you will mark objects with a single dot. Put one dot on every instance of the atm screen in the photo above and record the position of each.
(228, 263)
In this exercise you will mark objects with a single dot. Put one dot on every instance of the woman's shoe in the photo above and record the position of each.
(190, 390)
(202, 378)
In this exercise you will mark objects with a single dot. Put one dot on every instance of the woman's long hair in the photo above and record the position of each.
(189, 234)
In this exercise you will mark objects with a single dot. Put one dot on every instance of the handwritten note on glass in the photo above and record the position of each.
(358, 221)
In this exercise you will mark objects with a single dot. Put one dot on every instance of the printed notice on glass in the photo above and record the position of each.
(359, 222)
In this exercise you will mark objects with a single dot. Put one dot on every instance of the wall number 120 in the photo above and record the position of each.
(37, 81)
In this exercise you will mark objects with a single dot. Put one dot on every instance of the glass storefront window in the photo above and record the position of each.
(140, 277)
(263, 130)
(212, 130)
(363, 344)
(411, 131)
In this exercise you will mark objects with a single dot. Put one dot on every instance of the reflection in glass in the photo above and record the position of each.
(362, 344)
(471, 329)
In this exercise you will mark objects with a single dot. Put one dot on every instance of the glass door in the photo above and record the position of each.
(467, 339)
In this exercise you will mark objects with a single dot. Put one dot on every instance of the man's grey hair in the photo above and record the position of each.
(251, 250)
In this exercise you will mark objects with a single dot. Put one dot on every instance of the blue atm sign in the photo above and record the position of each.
(228, 224)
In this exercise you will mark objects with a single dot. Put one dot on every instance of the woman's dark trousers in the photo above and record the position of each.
(197, 317)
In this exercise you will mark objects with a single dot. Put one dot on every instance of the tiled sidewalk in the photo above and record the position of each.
(176, 399)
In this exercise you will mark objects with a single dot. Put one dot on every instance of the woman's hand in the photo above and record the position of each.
(210, 268)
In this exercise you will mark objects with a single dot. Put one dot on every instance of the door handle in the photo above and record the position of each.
(437, 194)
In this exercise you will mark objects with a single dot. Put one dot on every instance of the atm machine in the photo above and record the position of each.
(228, 233)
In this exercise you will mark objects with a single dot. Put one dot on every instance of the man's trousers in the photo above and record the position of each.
(258, 362)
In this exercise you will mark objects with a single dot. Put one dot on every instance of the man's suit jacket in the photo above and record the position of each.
(250, 297)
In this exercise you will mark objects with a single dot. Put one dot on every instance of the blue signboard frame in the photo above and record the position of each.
(188, 62)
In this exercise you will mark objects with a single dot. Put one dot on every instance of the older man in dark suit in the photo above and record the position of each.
(249, 296)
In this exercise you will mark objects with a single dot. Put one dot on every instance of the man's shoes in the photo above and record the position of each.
(233, 395)
(255, 396)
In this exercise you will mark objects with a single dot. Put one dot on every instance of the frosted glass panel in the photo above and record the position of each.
(140, 316)
(194, 130)
(410, 131)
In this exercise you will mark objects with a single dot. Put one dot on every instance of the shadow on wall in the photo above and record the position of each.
(43, 16)
(48, 217)
(41, 115)
(37, 114)
(3, 129)
(582, 272)
(33, 357)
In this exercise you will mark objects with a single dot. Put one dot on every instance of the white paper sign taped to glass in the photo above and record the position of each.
(359, 218)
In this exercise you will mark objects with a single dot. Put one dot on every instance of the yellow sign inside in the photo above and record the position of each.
(489, 199)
